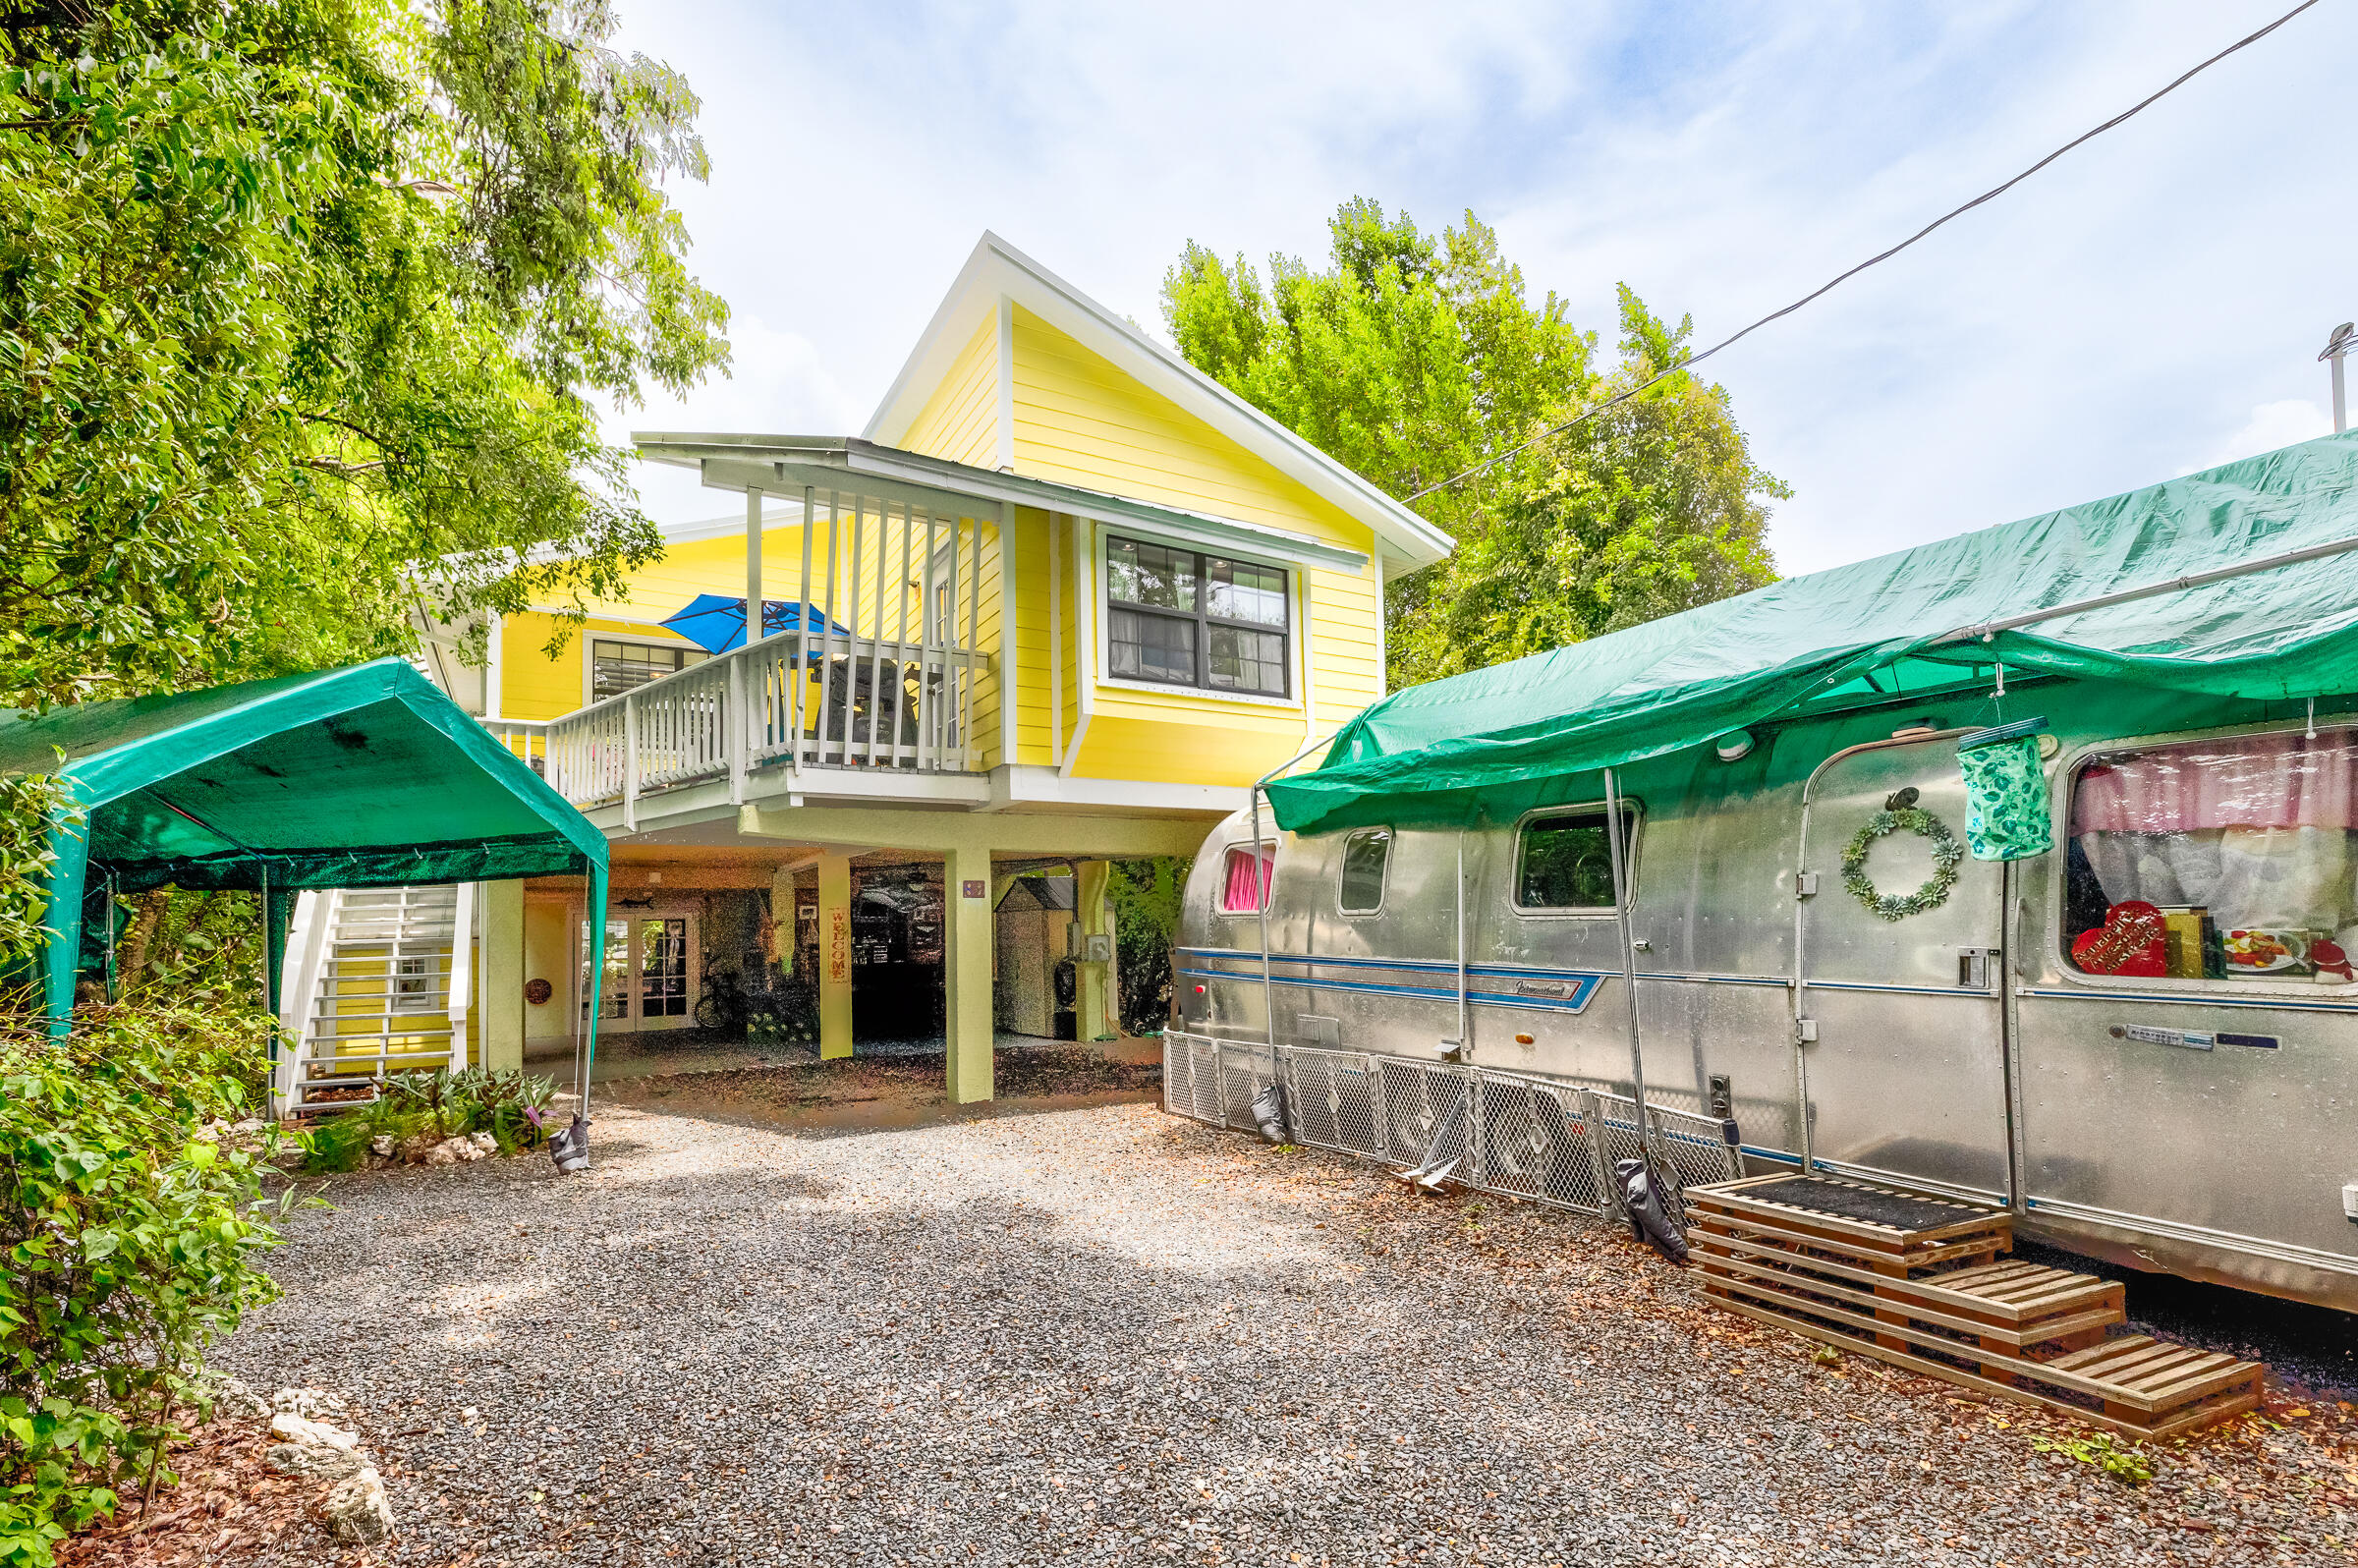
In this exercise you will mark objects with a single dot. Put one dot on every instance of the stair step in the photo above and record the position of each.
(1917, 1282)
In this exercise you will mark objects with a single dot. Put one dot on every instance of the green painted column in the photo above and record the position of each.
(499, 1030)
(834, 956)
(965, 966)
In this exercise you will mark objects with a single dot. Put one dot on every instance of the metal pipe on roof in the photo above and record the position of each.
(2193, 579)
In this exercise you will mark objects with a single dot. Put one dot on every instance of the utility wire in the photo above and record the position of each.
(1987, 195)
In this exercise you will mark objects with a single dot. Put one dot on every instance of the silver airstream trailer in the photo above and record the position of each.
(2140, 1033)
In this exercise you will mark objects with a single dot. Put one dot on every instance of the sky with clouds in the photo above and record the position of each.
(2149, 305)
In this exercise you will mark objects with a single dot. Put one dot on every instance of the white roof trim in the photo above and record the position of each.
(996, 270)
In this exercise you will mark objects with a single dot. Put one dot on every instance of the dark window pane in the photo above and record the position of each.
(1151, 647)
(1241, 591)
(1564, 861)
(1363, 859)
(1246, 661)
(1150, 574)
(618, 668)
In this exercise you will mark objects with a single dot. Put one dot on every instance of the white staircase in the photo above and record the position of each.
(376, 982)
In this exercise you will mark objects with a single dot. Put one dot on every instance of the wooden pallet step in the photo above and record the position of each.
(2184, 1417)
(1858, 1211)
(1973, 1250)
(2011, 1295)
(2082, 1314)
(2132, 1379)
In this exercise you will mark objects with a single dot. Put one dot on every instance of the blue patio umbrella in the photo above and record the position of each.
(716, 623)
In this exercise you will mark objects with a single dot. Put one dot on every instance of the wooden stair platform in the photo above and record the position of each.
(1917, 1282)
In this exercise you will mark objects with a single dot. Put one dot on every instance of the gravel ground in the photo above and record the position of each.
(1112, 1335)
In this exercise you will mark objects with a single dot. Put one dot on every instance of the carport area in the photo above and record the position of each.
(1022, 1334)
(722, 948)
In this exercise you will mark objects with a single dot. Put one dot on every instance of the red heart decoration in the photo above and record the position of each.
(2129, 942)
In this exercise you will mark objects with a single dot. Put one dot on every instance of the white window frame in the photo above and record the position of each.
(590, 639)
(1297, 610)
(632, 1020)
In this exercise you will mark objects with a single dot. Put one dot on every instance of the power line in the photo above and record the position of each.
(1987, 195)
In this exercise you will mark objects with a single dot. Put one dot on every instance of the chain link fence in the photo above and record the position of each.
(1548, 1140)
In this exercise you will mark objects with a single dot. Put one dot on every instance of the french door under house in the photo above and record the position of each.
(651, 972)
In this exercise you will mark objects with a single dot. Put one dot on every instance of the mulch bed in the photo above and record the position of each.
(229, 1507)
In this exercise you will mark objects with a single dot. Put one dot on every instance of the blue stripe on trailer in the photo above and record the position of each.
(1584, 987)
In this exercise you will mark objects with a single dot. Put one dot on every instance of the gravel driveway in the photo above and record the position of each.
(1111, 1335)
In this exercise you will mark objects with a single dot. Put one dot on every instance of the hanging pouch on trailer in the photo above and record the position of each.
(2006, 817)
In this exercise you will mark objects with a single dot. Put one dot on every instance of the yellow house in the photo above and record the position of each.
(1063, 600)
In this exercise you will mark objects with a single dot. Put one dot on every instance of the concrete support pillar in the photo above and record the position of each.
(965, 965)
(500, 1031)
(834, 956)
(1096, 1009)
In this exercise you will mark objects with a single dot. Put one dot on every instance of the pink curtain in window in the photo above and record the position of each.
(2282, 780)
(1248, 877)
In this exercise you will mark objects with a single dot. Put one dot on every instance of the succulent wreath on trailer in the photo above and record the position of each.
(1901, 814)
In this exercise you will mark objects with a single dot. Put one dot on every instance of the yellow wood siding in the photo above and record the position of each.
(1346, 668)
(1081, 421)
(960, 420)
(1024, 643)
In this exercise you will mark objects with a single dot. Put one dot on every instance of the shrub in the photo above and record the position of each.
(511, 1106)
(130, 1222)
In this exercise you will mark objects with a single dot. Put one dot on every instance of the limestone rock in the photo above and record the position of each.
(303, 1459)
(356, 1509)
(382, 1146)
(230, 1394)
(484, 1141)
(303, 1433)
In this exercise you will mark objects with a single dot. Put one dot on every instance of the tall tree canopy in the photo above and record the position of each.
(1414, 357)
(306, 308)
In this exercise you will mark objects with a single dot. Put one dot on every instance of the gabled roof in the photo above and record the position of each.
(998, 269)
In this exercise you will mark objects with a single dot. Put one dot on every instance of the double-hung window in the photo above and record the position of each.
(1180, 617)
(618, 668)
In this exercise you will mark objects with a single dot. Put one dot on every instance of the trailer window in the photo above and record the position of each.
(1562, 861)
(1245, 878)
(1366, 855)
(2231, 859)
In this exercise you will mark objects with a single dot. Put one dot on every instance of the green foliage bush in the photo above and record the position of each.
(444, 1105)
(130, 1224)
(1145, 895)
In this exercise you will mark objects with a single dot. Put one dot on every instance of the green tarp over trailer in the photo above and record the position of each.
(2290, 631)
(359, 777)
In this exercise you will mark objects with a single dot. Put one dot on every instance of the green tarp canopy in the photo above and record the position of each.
(359, 777)
(2288, 631)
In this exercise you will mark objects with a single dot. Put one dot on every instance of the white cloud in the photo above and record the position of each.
(2129, 307)
(778, 384)
(2272, 425)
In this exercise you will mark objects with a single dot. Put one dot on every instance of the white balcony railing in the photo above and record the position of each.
(807, 701)
(819, 694)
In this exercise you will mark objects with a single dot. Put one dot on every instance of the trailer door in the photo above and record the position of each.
(1906, 1074)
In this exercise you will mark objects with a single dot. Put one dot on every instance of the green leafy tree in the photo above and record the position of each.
(1414, 357)
(307, 311)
